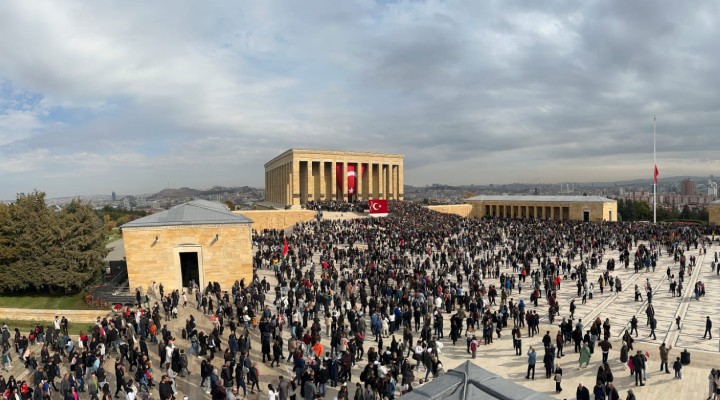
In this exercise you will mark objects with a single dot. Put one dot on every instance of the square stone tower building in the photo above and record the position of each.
(300, 175)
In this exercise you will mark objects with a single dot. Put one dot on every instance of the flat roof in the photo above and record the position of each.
(331, 152)
(543, 199)
(196, 212)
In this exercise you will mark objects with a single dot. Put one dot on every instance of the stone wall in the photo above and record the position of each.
(224, 259)
(276, 219)
(31, 314)
(463, 210)
(714, 213)
(599, 211)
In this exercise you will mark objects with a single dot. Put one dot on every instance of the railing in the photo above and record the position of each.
(114, 290)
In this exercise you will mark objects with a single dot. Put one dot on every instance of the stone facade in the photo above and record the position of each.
(153, 254)
(277, 219)
(298, 175)
(463, 210)
(560, 209)
(47, 316)
(714, 213)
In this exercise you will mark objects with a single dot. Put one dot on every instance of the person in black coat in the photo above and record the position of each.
(582, 393)
(239, 378)
(165, 388)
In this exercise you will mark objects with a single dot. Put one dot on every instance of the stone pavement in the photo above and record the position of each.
(499, 357)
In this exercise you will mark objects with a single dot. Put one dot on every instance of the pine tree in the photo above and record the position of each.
(83, 245)
(48, 251)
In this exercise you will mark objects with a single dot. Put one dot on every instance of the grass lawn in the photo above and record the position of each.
(25, 326)
(68, 302)
(112, 236)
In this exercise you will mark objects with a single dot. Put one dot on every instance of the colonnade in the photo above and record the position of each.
(297, 181)
(527, 211)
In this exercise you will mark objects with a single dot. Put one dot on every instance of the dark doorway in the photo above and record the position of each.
(189, 268)
(586, 216)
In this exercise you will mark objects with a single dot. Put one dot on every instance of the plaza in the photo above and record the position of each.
(499, 357)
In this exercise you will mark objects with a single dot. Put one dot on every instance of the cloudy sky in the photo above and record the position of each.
(136, 96)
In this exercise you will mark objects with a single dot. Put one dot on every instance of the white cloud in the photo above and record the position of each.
(138, 96)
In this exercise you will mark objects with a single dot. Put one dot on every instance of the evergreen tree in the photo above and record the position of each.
(44, 250)
(83, 246)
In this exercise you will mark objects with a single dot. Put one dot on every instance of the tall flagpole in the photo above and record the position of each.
(654, 177)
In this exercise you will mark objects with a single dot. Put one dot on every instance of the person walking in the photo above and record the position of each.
(639, 364)
(582, 393)
(548, 361)
(558, 378)
(605, 346)
(559, 343)
(708, 327)
(634, 325)
(653, 325)
(677, 367)
(584, 355)
(517, 340)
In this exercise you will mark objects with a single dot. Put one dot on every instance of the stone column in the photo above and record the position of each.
(275, 184)
(278, 184)
(295, 184)
(273, 188)
(381, 182)
(333, 180)
(370, 188)
(344, 195)
(321, 194)
(359, 180)
(288, 184)
(401, 183)
(396, 191)
(310, 182)
(388, 181)
(391, 182)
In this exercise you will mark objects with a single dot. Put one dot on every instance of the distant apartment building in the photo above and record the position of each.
(688, 187)
(669, 200)
(114, 196)
(712, 188)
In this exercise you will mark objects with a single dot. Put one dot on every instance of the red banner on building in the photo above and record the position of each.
(352, 179)
(378, 208)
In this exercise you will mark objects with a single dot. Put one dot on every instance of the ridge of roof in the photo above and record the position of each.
(545, 198)
(195, 212)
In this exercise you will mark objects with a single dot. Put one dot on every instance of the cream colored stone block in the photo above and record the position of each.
(225, 260)
(276, 219)
(714, 214)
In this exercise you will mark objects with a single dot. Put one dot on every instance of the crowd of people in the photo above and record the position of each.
(369, 295)
(337, 206)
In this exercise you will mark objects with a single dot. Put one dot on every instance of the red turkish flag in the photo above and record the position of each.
(285, 247)
(351, 179)
(655, 175)
(378, 207)
(339, 179)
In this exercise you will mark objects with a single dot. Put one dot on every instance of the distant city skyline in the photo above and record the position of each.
(101, 97)
(563, 187)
